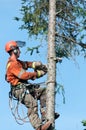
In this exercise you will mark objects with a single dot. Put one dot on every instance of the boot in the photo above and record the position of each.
(44, 115)
(57, 115)
(45, 126)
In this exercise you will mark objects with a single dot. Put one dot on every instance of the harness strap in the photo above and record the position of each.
(18, 87)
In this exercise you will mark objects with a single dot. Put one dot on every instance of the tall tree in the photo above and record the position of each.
(51, 81)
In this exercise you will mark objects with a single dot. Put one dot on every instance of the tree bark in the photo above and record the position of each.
(51, 79)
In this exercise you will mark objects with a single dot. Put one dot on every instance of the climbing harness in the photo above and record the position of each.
(15, 103)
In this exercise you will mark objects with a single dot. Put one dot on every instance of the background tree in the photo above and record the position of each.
(70, 26)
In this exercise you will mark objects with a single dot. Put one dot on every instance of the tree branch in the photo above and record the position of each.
(72, 40)
(59, 12)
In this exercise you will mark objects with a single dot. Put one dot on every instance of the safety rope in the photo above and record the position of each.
(14, 105)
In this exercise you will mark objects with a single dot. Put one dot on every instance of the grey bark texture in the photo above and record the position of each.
(51, 79)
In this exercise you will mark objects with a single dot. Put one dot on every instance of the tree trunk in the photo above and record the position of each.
(51, 79)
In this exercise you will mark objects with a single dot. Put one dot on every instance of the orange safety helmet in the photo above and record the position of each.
(11, 45)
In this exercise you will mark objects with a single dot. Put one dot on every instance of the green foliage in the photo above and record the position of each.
(34, 12)
(70, 24)
(84, 122)
(31, 50)
(61, 51)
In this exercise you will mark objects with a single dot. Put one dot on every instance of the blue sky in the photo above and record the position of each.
(71, 74)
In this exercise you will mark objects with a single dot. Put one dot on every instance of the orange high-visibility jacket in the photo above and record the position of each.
(16, 71)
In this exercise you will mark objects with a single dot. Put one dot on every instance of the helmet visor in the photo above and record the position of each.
(21, 43)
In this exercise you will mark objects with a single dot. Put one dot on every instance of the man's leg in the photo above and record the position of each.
(43, 105)
(31, 103)
(32, 106)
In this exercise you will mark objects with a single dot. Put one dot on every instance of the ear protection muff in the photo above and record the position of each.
(15, 51)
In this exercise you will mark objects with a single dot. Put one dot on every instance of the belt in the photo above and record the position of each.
(18, 86)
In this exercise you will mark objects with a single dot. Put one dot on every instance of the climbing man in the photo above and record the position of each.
(17, 75)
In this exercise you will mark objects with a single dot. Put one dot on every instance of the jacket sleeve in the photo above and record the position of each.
(17, 70)
(26, 64)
